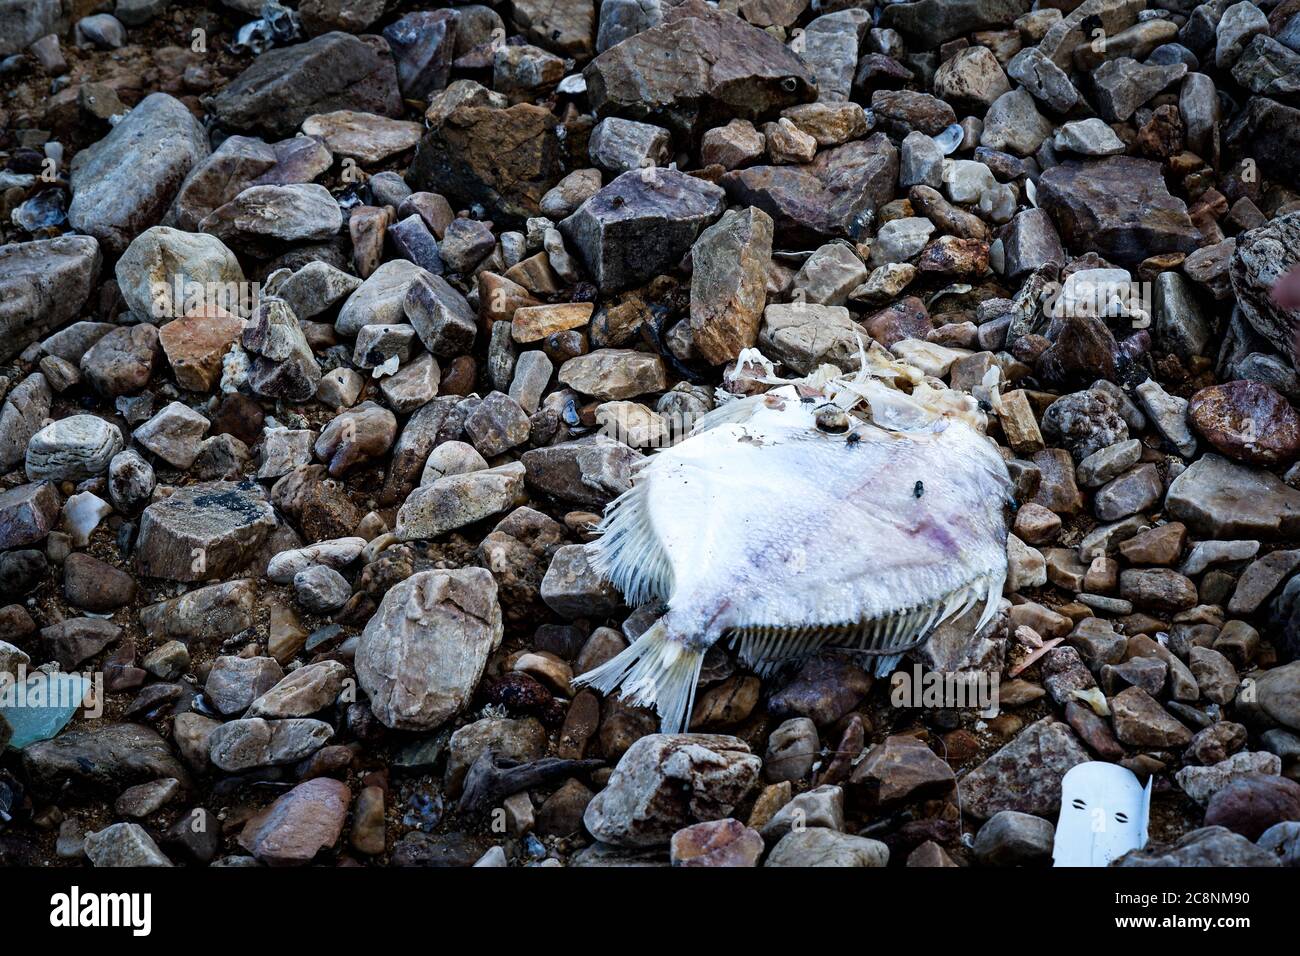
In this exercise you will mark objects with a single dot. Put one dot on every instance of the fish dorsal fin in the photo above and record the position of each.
(657, 670)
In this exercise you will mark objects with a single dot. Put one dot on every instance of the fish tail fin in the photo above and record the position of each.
(657, 670)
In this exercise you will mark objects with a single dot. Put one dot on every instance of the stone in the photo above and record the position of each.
(1261, 258)
(262, 216)
(203, 531)
(504, 160)
(1011, 838)
(1044, 79)
(173, 434)
(728, 283)
(456, 500)
(422, 654)
(163, 270)
(366, 137)
(301, 823)
(971, 80)
(535, 322)
(122, 362)
(1208, 846)
(732, 146)
(442, 318)
(614, 374)
(619, 145)
(642, 804)
(1169, 415)
(315, 288)
(1090, 137)
(102, 760)
(1252, 803)
(1278, 693)
(591, 471)
(1247, 421)
(93, 585)
(571, 588)
(118, 192)
(286, 85)
(804, 336)
(818, 846)
(124, 844)
(1014, 125)
(1202, 783)
(791, 750)
(932, 22)
(716, 843)
(1025, 775)
(1239, 23)
(251, 743)
(43, 284)
(196, 345)
(1132, 492)
(835, 196)
(1140, 721)
(1118, 206)
(24, 413)
(1220, 499)
(282, 364)
(640, 224)
(899, 770)
(355, 437)
(27, 514)
(72, 448)
(723, 68)
(1121, 85)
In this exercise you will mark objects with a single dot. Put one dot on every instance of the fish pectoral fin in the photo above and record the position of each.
(657, 670)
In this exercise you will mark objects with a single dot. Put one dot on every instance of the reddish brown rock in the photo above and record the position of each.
(307, 819)
(196, 343)
(1248, 421)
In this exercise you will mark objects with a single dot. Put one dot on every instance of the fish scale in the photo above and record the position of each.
(780, 538)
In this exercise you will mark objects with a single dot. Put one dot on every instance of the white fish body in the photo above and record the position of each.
(784, 537)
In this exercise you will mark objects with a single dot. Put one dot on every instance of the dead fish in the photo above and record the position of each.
(835, 511)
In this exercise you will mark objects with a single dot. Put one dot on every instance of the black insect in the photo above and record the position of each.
(918, 489)
(852, 438)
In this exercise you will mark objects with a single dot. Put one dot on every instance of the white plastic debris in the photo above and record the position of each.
(1104, 814)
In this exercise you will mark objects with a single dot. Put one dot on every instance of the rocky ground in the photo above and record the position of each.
(316, 328)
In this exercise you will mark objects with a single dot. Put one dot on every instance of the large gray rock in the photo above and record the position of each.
(1218, 498)
(729, 283)
(165, 268)
(1262, 257)
(454, 501)
(43, 284)
(23, 22)
(698, 69)
(124, 183)
(1026, 774)
(421, 656)
(102, 760)
(931, 22)
(72, 448)
(641, 225)
(834, 196)
(668, 781)
(23, 414)
(204, 531)
(1118, 207)
(1208, 846)
(285, 85)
